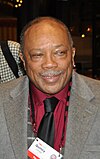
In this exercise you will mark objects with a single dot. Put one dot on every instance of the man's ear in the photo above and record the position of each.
(22, 59)
(73, 52)
(73, 55)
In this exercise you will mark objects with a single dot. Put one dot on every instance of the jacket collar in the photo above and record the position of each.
(80, 87)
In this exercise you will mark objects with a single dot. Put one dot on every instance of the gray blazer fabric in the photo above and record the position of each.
(83, 130)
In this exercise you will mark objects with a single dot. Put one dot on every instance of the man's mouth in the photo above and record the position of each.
(51, 76)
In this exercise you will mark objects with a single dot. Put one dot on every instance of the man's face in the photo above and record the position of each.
(48, 57)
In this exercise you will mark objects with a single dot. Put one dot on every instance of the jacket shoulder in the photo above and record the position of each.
(7, 87)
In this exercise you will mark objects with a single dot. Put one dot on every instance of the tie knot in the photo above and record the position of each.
(50, 104)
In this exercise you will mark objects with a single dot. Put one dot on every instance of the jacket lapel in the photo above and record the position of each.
(16, 117)
(80, 118)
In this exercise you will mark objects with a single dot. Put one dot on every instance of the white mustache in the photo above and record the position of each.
(51, 73)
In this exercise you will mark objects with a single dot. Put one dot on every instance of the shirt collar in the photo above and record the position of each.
(39, 96)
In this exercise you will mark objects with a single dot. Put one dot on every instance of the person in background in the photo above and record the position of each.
(10, 61)
(48, 57)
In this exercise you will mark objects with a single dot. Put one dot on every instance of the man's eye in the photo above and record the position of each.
(34, 56)
(61, 53)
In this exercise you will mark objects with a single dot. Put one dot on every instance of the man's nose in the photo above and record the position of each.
(49, 62)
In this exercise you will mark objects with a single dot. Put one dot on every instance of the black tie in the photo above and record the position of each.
(46, 128)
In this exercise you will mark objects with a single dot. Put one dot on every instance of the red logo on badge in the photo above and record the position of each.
(32, 156)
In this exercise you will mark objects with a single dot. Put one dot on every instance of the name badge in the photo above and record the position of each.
(40, 150)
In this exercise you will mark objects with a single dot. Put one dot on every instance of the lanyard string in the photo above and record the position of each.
(31, 103)
(66, 110)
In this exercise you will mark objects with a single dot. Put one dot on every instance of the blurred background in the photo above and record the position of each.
(81, 16)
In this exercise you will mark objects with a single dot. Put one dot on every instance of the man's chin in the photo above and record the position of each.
(51, 90)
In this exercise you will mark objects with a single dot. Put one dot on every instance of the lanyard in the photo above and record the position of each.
(66, 110)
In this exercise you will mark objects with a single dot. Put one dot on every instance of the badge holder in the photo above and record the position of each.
(40, 150)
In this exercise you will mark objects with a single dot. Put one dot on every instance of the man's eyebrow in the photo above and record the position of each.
(60, 45)
(34, 49)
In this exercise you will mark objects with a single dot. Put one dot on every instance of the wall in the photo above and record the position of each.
(8, 29)
(83, 58)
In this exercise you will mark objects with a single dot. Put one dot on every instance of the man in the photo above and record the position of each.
(48, 58)
(6, 71)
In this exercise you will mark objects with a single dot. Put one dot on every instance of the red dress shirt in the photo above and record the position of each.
(59, 113)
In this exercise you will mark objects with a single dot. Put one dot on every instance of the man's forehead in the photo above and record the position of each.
(45, 25)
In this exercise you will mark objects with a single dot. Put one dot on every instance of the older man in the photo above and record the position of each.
(72, 125)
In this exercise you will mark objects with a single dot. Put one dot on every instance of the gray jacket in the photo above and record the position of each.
(83, 130)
